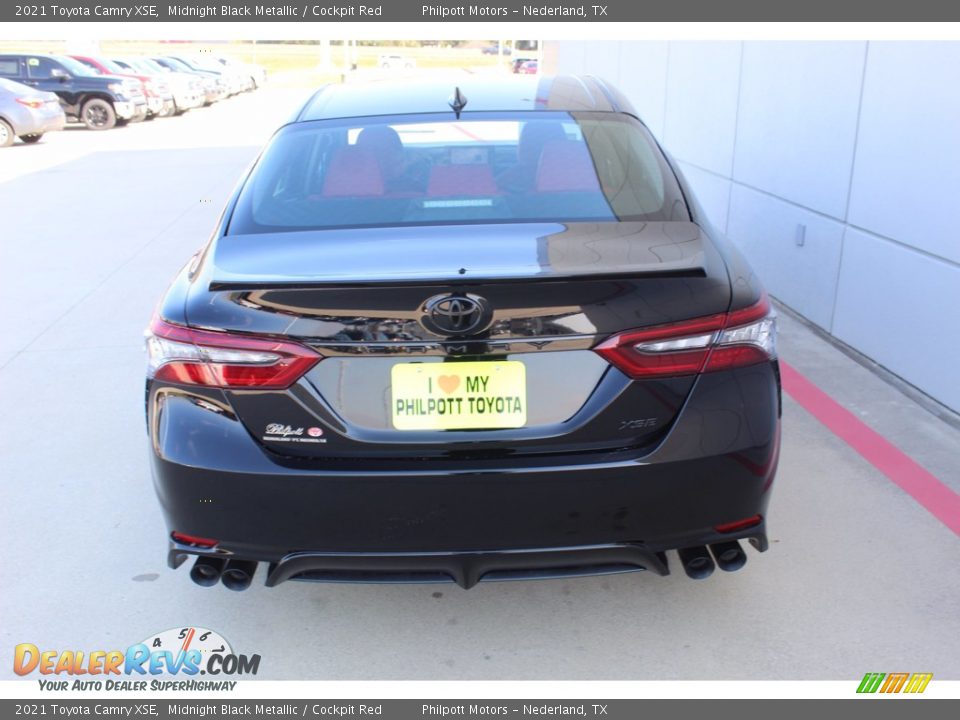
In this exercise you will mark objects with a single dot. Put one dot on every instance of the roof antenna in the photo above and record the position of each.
(458, 101)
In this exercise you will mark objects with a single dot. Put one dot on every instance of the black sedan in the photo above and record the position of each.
(459, 334)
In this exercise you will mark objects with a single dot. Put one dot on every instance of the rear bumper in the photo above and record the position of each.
(466, 569)
(568, 515)
(40, 123)
(189, 100)
(129, 109)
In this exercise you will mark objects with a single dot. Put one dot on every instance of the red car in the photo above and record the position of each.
(159, 97)
(528, 68)
(519, 62)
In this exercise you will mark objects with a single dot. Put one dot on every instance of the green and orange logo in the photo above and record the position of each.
(894, 682)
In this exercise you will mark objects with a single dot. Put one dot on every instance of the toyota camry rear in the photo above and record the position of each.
(453, 334)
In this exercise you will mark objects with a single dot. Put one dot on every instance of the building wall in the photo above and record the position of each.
(835, 166)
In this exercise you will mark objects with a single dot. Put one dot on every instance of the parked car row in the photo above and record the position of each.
(495, 49)
(40, 93)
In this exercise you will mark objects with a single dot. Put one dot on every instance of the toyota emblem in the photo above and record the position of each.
(456, 315)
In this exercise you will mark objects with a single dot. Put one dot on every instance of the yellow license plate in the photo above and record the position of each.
(459, 395)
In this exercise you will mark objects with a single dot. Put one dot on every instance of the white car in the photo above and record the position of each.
(187, 89)
(396, 62)
(257, 74)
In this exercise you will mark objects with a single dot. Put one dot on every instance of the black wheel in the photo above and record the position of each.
(98, 114)
(31, 139)
(6, 134)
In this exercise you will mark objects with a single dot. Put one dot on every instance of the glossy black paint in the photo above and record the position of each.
(641, 468)
(714, 466)
(415, 96)
(346, 285)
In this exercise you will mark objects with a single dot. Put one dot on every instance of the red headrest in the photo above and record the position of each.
(353, 172)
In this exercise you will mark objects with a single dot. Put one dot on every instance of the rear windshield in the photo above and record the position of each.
(176, 64)
(146, 65)
(15, 87)
(488, 168)
(113, 67)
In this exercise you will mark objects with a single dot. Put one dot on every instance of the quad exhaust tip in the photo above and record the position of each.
(238, 574)
(697, 562)
(699, 565)
(729, 555)
(234, 574)
(206, 571)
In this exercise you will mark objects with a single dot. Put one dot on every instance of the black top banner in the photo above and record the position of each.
(498, 11)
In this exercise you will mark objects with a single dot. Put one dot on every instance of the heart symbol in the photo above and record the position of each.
(448, 383)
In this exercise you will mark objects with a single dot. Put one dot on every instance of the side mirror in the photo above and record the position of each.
(61, 75)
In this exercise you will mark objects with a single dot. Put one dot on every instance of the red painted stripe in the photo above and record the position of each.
(924, 487)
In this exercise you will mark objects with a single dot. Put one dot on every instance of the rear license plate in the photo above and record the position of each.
(459, 395)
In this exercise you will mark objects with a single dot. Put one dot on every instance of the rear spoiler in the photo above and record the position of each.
(458, 279)
(459, 255)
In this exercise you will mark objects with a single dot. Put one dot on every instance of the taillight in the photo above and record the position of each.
(707, 344)
(194, 540)
(34, 103)
(739, 525)
(226, 360)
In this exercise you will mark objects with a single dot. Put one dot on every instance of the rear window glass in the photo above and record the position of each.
(11, 86)
(77, 68)
(113, 67)
(9, 66)
(528, 167)
(174, 64)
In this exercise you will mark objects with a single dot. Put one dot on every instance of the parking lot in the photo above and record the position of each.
(859, 576)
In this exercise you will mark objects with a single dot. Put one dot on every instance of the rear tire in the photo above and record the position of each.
(6, 134)
(31, 139)
(98, 114)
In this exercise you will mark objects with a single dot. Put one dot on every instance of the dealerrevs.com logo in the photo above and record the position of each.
(170, 660)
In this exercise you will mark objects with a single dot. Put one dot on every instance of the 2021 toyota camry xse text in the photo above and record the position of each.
(464, 333)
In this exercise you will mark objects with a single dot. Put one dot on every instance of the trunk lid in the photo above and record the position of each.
(459, 254)
(552, 292)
